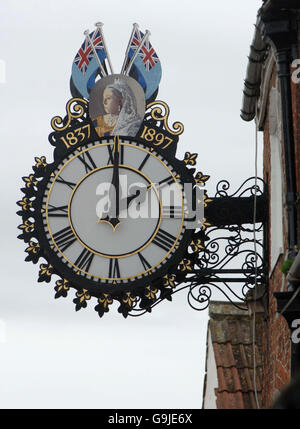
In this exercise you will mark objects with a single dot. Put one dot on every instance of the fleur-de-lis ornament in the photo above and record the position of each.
(196, 245)
(151, 292)
(185, 265)
(30, 181)
(200, 178)
(169, 280)
(25, 204)
(62, 287)
(190, 158)
(82, 297)
(129, 299)
(40, 162)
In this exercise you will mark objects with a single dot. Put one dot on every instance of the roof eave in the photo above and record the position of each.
(271, 9)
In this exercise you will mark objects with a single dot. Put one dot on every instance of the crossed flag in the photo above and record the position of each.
(141, 62)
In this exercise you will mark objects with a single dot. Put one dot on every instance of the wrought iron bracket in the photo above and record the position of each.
(229, 254)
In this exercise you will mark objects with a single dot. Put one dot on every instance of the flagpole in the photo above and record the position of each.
(146, 36)
(87, 35)
(99, 25)
(135, 27)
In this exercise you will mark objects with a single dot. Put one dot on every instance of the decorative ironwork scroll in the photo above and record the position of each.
(222, 258)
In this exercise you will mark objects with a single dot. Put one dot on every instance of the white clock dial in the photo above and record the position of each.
(147, 231)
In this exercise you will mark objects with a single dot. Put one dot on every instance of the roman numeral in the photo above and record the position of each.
(172, 212)
(111, 154)
(66, 182)
(64, 238)
(87, 161)
(164, 240)
(144, 162)
(114, 269)
(144, 262)
(61, 211)
(84, 260)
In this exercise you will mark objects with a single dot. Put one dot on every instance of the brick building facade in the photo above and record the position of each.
(272, 98)
(276, 334)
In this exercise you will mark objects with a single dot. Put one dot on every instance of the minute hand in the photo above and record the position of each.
(116, 179)
(115, 187)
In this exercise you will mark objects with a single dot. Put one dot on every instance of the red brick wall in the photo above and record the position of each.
(295, 88)
(275, 345)
(276, 334)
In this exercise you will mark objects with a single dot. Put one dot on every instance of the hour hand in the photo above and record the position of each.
(139, 192)
(113, 221)
(111, 215)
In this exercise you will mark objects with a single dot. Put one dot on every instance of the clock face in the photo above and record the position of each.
(113, 214)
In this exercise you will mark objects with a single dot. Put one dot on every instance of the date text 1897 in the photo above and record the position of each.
(156, 137)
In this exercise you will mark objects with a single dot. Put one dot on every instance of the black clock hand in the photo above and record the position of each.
(132, 197)
(114, 196)
(140, 191)
(114, 210)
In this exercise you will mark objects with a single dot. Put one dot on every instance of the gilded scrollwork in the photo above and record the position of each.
(75, 109)
(159, 111)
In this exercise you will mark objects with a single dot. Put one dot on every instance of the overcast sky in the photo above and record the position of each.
(51, 356)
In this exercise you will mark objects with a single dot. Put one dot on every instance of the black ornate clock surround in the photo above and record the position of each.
(199, 267)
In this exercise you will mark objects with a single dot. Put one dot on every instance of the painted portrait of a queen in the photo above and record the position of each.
(114, 107)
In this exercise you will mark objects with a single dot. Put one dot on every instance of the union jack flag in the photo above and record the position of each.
(147, 53)
(86, 64)
(86, 53)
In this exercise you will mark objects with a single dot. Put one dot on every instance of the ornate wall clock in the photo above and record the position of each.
(115, 214)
